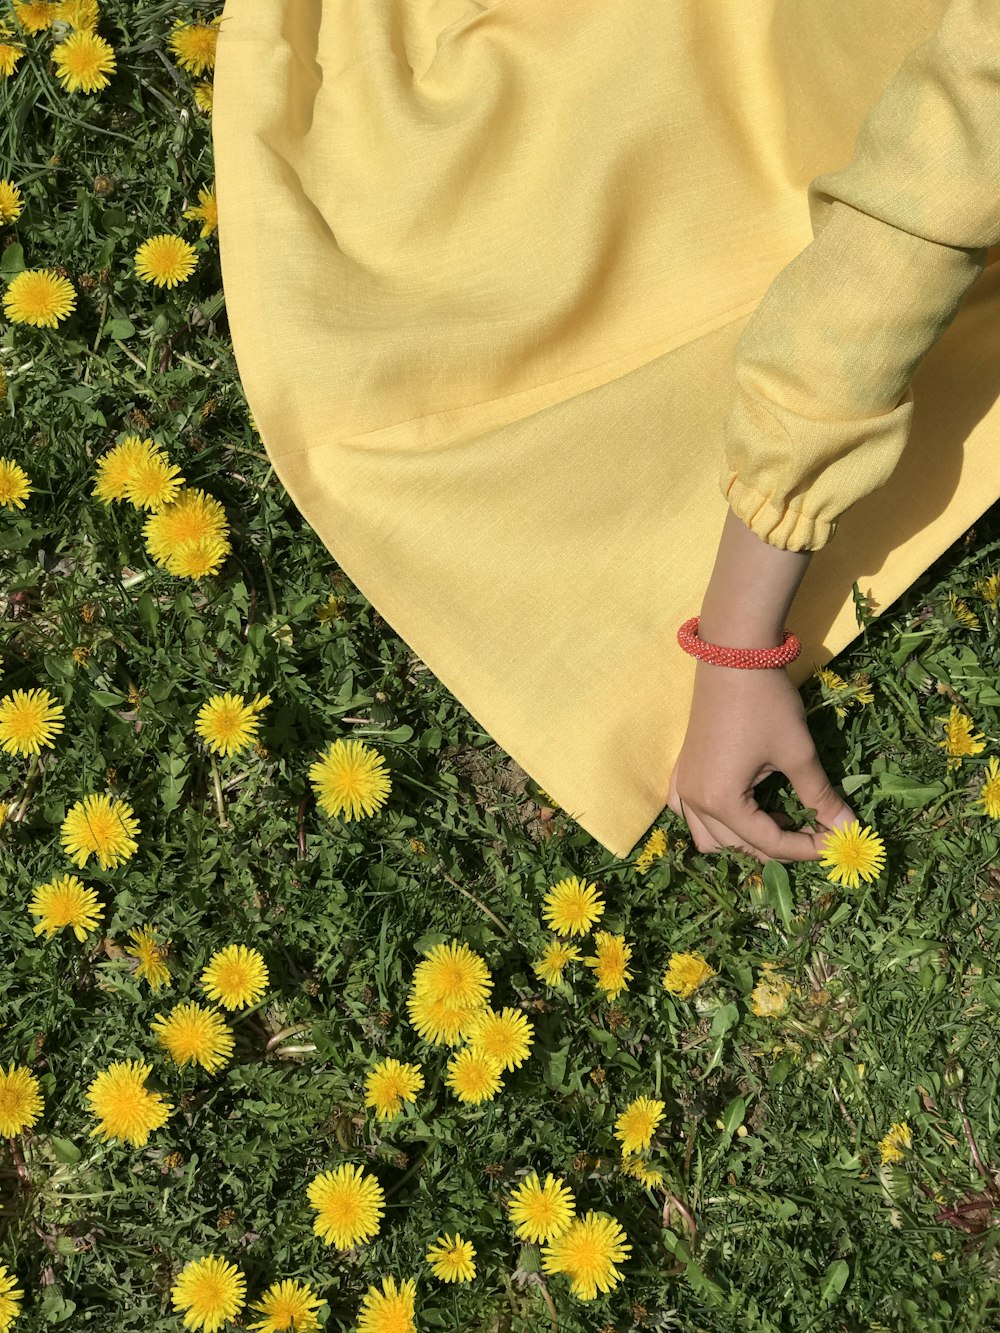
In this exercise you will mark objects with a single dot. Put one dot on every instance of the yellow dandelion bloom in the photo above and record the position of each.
(207, 210)
(989, 589)
(204, 96)
(636, 1125)
(35, 15)
(610, 963)
(28, 720)
(541, 1212)
(10, 1298)
(555, 956)
(9, 56)
(505, 1036)
(83, 62)
(194, 44)
(896, 1142)
(11, 202)
(853, 854)
(450, 1258)
(83, 15)
(455, 974)
(165, 260)
(588, 1251)
(20, 1100)
(645, 1172)
(770, 996)
(189, 533)
(350, 780)
(959, 740)
(389, 1310)
(15, 484)
(654, 847)
(192, 1033)
(65, 902)
(118, 466)
(473, 1075)
(685, 973)
(227, 724)
(39, 296)
(436, 1020)
(212, 1292)
(989, 796)
(288, 1307)
(572, 906)
(389, 1084)
(235, 976)
(153, 481)
(150, 955)
(349, 1205)
(126, 1109)
(101, 826)
(962, 612)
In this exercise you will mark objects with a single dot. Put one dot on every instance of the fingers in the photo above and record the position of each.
(814, 789)
(754, 830)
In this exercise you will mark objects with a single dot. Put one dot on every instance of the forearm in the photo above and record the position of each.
(751, 589)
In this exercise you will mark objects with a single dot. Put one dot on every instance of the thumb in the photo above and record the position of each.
(815, 791)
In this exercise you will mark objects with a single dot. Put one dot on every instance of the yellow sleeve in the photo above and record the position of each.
(822, 405)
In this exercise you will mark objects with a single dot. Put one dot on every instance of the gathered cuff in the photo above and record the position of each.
(777, 523)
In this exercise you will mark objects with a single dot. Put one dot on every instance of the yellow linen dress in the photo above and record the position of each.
(487, 266)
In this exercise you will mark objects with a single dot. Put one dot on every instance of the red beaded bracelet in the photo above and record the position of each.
(787, 650)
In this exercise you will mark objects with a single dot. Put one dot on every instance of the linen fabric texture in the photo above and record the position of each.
(487, 267)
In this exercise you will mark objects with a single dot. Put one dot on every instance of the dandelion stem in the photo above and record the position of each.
(21, 803)
(481, 905)
(18, 1159)
(219, 801)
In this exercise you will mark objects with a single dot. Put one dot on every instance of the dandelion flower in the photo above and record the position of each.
(120, 469)
(288, 1307)
(505, 1036)
(204, 96)
(989, 796)
(610, 963)
(473, 1075)
(154, 481)
(83, 62)
(211, 1290)
(10, 1298)
(450, 1258)
(194, 1034)
(9, 56)
(555, 956)
(685, 973)
(572, 906)
(100, 826)
(227, 725)
(28, 720)
(389, 1310)
(15, 483)
(39, 296)
(350, 779)
(898, 1139)
(541, 1212)
(769, 997)
(150, 954)
(645, 1172)
(65, 902)
(636, 1125)
(389, 1084)
(349, 1205)
(20, 1100)
(207, 210)
(455, 974)
(194, 44)
(235, 976)
(35, 15)
(126, 1109)
(80, 14)
(165, 260)
(654, 847)
(853, 854)
(588, 1251)
(11, 202)
(959, 739)
(190, 536)
(436, 1021)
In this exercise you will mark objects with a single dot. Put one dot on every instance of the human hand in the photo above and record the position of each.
(742, 726)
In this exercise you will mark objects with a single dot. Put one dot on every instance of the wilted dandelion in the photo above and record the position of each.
(206, 210)
(959, 740)
(645, 1172)
(769, 997)
(685, 973)
(150, 955)
(898, 1140)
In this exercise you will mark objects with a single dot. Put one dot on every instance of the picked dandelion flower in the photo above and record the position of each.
(125, 1108)
(11, 202)
(505, 1036)
(391, 1083)
(896, 1143)
(100, 826)
(541, 1212)
(40, 297)
(287, 1307)
(588, 1251)
(65, 902)
(636, 1125)
(235, 976)
(150, 954)
(28, 720)
(853, 854)
(989, 589)
(212, 1292)
(610, 963)
(685, 973)
(10, 1298)
(83, 62)
(350, 780)
(189, 537)
(474, 1076)
(227, 724)
(645, 1172)
(35, 15)
(193, 1034)
(959, 741)
(165, 260)
(769, 998)
(349, 1205)
(20, 1100)
(451, 1258)
(207, 211)
(654, 847)
(989, 796)
(194, 44)
(389, 1310)
(555, 957)
(572, 906)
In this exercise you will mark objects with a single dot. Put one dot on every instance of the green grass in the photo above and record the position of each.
(797, 1225)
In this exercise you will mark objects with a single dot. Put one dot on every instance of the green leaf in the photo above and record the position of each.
(734, 1115)
(907, 792)
(120, 328)
(12, 261)
(775, 878)
(834, 1280)
(107, 699)
(726, 1017)
(148, 611)
(65, 1150)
